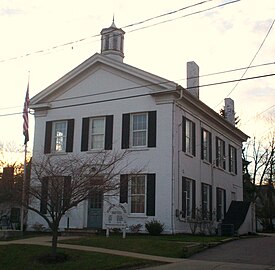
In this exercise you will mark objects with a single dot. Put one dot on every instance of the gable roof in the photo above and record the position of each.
(38, 101)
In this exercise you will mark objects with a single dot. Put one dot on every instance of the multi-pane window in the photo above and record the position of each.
(97, 133)
(188, 197)
(206, 201)
(188, 136)
(220, 153)
(232, 159)
(139, 129)
(188, 193)
(206, 145)
(220, 196)
(59, 136)
(138, 194)
(138, 191)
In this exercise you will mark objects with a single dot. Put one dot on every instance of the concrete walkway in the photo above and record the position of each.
(46, 241)
(173, 263)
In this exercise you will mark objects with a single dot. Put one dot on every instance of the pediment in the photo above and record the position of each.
(100, 75)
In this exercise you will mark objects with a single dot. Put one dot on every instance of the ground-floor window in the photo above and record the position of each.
(221, 203)
(206, 199)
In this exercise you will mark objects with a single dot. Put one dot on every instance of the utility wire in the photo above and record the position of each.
(70, 43)
(141, 95)
(184, 16)
(166, 81)
(267, 34)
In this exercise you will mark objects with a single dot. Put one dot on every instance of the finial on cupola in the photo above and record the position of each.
(112, 42)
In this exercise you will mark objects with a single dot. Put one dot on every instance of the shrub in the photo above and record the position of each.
(154, 227)
(135, 228)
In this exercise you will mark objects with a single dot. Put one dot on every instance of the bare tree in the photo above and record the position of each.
(261, 175)
(61, 183)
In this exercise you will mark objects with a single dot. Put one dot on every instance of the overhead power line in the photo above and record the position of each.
(169, 81)
(140, 95)
(260, 47)
(70, 43)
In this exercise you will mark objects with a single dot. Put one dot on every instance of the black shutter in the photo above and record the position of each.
(223, 157)
(151, 194)
(193, 198)
(44, 195)
(235, 160)
(217, 152)
(152, 128)
(193, 139)
(67, 191)
(202, 145)
(210, 202)
(109, 132)
(125, 131)
(224, 201)
(230, 158)
(85, 134)
(70, 136)
(48, 138)
(183, 134)
(217, 204)
(183, 196)
(123, 193)
(202, 201)
(210, 147)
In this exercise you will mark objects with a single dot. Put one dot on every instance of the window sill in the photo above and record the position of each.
(138, 149)
(189, 155)
(57, 154)
(137, 216)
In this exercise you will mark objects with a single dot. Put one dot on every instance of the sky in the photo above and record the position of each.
(43, 40)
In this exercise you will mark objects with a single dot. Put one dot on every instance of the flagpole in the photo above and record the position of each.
(23, 188)
(26, 134)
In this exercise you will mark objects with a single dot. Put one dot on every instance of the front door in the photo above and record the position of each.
(95, 210)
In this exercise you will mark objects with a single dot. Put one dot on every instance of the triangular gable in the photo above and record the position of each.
(90, 67)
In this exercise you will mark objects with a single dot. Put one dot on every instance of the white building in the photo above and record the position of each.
(190, 155)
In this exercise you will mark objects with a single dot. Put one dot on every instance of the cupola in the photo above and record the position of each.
(112, 40)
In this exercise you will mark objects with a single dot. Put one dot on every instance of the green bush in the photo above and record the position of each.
(154, 227)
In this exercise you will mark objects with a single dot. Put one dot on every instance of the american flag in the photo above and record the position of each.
(26, 116)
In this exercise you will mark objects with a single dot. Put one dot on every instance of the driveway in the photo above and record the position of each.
(256, 253)
(256, 250)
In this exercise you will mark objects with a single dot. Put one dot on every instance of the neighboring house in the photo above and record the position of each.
(190, 156)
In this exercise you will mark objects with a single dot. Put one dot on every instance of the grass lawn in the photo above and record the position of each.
(14, 257)
(166, 245)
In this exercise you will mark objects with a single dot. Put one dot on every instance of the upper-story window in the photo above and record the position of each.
(232, 159)
(59, 136)
(188, 136)
(139, 130)
(220, 153)
(206, 145)
(97, 133)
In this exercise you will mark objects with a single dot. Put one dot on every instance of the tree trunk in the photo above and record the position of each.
(54, 241)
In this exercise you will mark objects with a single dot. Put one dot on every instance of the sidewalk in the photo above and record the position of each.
(46, 241)
(173, 263)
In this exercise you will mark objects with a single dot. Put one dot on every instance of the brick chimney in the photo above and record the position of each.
(229, 112)
(193, 78)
